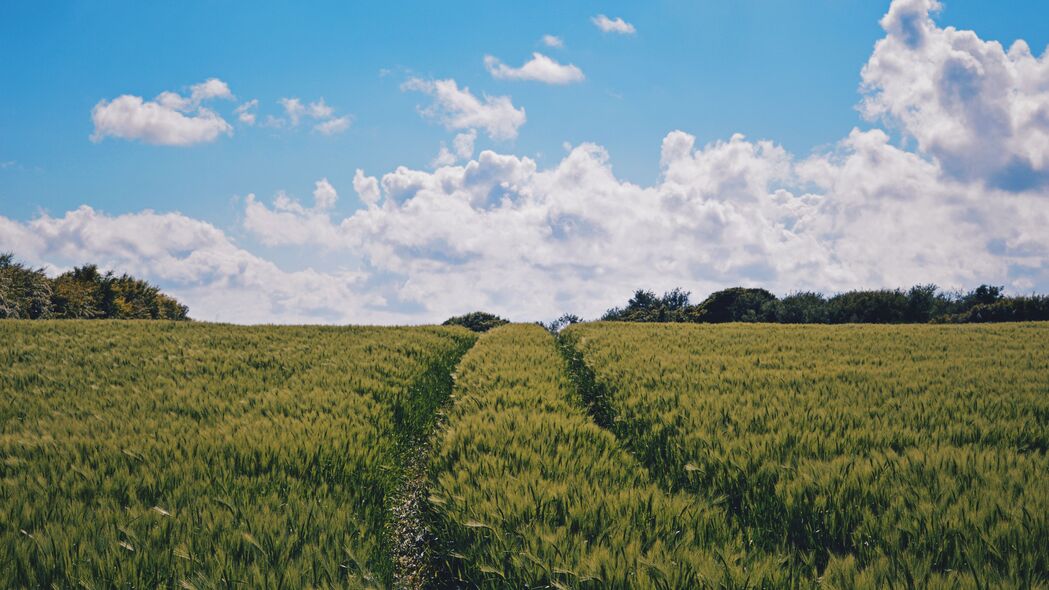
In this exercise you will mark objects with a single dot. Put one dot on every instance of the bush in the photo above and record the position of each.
(477, 321)
(82, 293)
(1012, 309)
(802, 308)
(738, 304)
(26, 292)
(868, 307)
(644, 306)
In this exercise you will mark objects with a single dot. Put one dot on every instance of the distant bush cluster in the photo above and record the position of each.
(82, 293)
(919, 304)
(478, 321)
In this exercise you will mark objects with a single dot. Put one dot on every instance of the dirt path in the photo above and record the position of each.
(410, 534)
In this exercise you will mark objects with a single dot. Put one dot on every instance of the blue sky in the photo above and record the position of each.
(788, 72)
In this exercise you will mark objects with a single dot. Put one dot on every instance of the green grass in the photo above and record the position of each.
(875, 456)
(138, 454)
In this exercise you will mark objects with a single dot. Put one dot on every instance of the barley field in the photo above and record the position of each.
(873, 456)
(144, 455)
(530, 493)
(614, 455)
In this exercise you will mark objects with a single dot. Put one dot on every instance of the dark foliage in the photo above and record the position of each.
(644, 306)
(82, 293)
(478, 321)
(919, 304)
(738, 304)
(562, 322)
(804, 307)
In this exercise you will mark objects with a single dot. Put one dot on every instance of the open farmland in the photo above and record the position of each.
(617, 455)
(157, 454)
(909, 456)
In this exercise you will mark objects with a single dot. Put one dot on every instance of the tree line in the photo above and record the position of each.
(82, 293)
(919, 304)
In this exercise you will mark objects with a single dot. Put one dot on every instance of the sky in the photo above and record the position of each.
(404, 162)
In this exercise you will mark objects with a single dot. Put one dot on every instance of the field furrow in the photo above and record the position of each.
(871, 455)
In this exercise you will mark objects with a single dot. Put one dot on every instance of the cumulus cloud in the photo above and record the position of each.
(540, 69)
(169, 119)
(610, 25)
(553, 41)
(499, 233)
(457, 108)
(980, 110)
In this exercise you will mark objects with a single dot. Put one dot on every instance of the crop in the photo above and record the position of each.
(528, 492)
(143, 455)
(873, 456)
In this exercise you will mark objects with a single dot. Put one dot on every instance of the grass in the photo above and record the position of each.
(138, 454)
(874, 456)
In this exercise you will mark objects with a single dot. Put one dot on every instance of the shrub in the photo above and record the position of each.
(82, 293)
(738, 304)
(477, 321)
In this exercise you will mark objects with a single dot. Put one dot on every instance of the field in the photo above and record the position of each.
(530, 493)
(874, 455)
(165, 454)
(139, 454)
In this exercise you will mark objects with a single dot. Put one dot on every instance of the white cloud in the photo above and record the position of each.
(320, 111)
(981, 111)
(540, 69)
(293, 109)
(367, 187)
(553, 41)
(333, 126)
(616, 25)
(464, 144)
(462, 149)
(501, 234)
(245, 112)
(444, 157)
(458, 108)
(208, 89)
(170, 119)
(324, 195)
